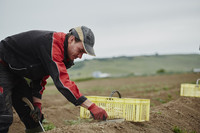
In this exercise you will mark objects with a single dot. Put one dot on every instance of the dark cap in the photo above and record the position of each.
(86, 36)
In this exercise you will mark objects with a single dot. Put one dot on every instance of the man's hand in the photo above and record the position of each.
(97, 112)
(36, 114)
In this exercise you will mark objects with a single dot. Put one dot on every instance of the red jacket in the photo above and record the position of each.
(37, 54)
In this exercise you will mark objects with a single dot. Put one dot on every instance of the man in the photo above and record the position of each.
(36, 55)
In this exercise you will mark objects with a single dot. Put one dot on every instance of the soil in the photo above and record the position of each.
(168, 108)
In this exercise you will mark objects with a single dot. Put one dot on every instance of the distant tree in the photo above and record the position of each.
(160, 71)
(156, 54)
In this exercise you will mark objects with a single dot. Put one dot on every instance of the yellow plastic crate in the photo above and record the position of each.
(190, 90)
(129, 109)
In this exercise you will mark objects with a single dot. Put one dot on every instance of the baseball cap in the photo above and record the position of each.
(86, 35)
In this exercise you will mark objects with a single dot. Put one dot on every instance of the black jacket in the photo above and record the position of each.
(37, 54)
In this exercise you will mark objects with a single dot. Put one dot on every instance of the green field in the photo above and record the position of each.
(136, 65)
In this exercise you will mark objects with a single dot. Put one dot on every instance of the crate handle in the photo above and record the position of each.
(197, 83)
(114, 92)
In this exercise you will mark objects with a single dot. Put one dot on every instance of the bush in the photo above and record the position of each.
(160, 71)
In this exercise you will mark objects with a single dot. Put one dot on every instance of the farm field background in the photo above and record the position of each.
(136, 65)
(169, 112)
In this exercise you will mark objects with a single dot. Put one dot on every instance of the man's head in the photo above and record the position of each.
(80, 41)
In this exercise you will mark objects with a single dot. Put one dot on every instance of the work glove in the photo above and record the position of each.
(97, 112)
(36, 114)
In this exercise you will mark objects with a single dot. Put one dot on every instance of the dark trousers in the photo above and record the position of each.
(12, 89)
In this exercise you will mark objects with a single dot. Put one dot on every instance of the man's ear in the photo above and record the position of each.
(70, 39)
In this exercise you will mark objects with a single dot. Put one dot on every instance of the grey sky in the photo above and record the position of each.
(128, 27)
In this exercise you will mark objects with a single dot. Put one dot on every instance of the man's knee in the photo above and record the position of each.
(5, 122)
(7, 119)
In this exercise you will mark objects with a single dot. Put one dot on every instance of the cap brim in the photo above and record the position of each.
(89, 49)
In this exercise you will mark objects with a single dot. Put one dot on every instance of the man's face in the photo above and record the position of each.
(75, 49)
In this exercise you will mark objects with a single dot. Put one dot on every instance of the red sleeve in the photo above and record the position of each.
(43, 83)
(59, 73)
(66, 82)
(39, 86)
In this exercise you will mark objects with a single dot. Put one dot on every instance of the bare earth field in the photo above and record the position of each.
(168, 111)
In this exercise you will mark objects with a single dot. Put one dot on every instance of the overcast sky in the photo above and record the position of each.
(121, 27)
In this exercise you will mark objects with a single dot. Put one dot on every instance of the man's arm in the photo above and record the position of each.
(38, 86)
(54, 65)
